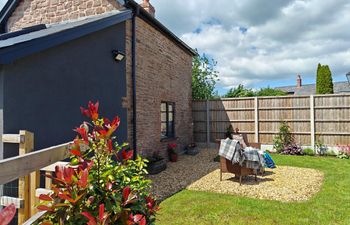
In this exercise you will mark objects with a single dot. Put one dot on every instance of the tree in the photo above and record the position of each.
(239, 91)
(324, 81)
(270, 92)
(204, 77)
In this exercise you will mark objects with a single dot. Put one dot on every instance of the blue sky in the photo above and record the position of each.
(263, 43)
(2, 3)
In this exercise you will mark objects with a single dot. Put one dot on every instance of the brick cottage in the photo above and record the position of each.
(56, 55)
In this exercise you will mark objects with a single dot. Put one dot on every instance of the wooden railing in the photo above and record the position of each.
(26, 168)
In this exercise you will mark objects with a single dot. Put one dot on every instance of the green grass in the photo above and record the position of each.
(330, 206)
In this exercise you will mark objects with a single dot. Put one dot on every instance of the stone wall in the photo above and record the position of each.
(163, 74)
(33, 12)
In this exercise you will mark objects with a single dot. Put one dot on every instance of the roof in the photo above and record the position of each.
(142, 13)
(11, 5)
(309, 89)
(29, 43)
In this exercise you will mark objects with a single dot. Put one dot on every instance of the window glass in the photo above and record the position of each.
(163, 117)
(167, 119)
(163, 107)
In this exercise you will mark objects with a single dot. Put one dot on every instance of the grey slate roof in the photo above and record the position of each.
(55, 28)
(25, 44)
(310, 89)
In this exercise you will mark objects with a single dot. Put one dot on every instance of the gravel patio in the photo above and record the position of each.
(201, 173)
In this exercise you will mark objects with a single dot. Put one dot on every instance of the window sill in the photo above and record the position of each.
(168, 139)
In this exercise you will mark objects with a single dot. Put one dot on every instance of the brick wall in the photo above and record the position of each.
(33, 12)
(163, 74)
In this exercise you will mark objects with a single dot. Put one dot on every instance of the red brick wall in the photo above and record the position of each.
(33, 12)
(163, 74)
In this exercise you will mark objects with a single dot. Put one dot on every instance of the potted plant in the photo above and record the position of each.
(156, 163)
(172, 152)
(191, 149)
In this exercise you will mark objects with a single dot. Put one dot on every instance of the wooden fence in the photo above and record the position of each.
(311, 118)
(26, 168)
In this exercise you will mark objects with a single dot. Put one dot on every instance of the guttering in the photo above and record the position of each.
(136, 12)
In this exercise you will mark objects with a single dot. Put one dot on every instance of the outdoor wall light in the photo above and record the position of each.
(348, 76)
(118, 55)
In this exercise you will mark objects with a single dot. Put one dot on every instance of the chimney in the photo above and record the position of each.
(299, 84)
(148, 7)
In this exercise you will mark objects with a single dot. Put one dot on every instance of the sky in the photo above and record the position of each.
(263, 43)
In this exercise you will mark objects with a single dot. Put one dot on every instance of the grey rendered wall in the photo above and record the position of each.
(43, 92)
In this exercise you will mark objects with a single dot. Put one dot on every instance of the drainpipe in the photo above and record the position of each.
(133, 77)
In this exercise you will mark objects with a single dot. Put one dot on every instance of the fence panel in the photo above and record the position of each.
(319, 117)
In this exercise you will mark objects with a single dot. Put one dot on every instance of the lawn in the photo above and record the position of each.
(330, 206)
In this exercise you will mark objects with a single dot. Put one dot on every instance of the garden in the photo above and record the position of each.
(106, 184)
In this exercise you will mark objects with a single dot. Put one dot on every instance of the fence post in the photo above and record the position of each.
(256, 118)
(208, 123)
(312, 121)
(25, 146)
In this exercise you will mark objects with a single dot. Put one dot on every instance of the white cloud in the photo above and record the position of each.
(283, 37)
(2, 3)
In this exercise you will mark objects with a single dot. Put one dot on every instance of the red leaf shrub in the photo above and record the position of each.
(94, 189)
(7, 214)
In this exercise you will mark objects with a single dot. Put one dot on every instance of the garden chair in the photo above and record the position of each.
(226, 165)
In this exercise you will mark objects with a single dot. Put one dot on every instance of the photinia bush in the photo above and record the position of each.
(7, 214)
(102, 184)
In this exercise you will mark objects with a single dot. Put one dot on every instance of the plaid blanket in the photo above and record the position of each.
(253, 159)
(249, 157)
(231, 150)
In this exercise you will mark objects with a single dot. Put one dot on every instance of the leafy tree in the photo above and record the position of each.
(270, 92)
(239, 91)
(324, 81)
(204, 77)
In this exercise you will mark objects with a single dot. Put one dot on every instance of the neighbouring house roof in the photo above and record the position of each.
(310, 89)
(29, 42)
(11, 5)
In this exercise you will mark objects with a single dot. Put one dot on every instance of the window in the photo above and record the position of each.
(167, 119)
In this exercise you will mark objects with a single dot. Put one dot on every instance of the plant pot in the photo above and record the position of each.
(192, 151)
(173, 157)
(156, 167)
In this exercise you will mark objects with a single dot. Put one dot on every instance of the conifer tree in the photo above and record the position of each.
(324, 81)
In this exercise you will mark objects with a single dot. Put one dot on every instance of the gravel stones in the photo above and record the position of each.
(201, 173)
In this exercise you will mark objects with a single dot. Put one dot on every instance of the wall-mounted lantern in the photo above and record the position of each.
(118, 55)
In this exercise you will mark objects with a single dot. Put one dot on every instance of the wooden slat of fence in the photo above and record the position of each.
(20, 166)
(331, 117)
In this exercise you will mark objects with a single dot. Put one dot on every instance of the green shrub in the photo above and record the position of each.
(324, 81)
(283, 138)
(270, 92)
(309, 151)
